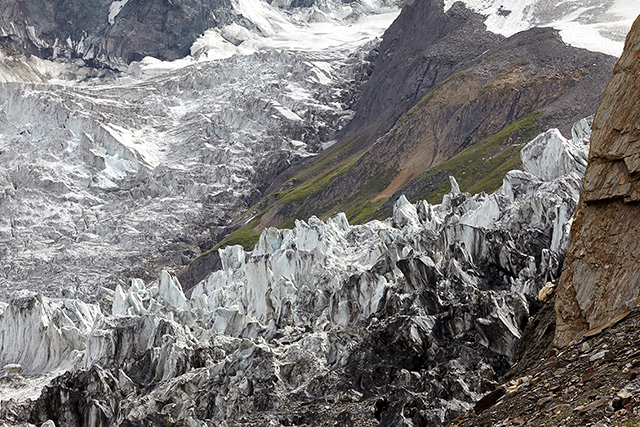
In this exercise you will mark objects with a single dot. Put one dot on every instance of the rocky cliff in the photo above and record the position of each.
(108, 33)
(600, 281)
(421, 49)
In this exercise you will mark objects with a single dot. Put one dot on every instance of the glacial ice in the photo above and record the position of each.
(317, 309)
(44, 335)
(597, 25)
(97, 177)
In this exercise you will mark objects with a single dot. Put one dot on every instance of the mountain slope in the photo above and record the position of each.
(115, 33)
(421, 49)
(498, 92)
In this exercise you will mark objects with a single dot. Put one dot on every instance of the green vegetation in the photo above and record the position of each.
(316, 183)
(361, 207)
(481, 166)
(246, 236)
(365, 211)
(292, 195)
(329, 159)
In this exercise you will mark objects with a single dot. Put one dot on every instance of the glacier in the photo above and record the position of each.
(109, 175)
(359, 317)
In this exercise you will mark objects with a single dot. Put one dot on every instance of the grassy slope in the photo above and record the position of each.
(481, 166)
(478, 168)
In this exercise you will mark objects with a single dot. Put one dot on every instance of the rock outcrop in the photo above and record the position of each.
(600, 280)
(109, 33)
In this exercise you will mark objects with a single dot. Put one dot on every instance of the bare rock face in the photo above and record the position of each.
(601, 274)
(420, 50)
(108, 33)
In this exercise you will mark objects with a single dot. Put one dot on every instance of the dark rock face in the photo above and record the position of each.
(600, 278)
(421, 49)
(92, 30)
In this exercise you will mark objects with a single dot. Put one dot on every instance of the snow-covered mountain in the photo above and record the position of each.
(598, 25)
(404, 321)
(114, 33)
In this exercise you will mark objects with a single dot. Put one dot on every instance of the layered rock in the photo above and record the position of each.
(600, 278)
(404, 321)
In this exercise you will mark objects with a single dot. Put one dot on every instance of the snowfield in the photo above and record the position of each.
(597, 25)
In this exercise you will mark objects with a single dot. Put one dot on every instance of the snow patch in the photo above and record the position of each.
(597, 25)
(114, 10)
